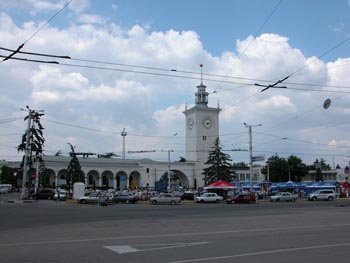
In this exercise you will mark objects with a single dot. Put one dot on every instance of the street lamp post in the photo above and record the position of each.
(123, 134)
(250, 153)
(288, 173)
(26, 153)
(169, 179)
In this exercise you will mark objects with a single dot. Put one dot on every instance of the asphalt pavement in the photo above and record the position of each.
(49, 231)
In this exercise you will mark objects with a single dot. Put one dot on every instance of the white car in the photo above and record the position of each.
(92, 198)
(62, 194)
(283, 196)
(209, 197)
(165, 198)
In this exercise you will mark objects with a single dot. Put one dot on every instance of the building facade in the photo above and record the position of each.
(202, 128)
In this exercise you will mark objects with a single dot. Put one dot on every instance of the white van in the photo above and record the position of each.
(327, 194)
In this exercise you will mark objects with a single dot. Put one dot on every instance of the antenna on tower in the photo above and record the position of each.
(201, 65)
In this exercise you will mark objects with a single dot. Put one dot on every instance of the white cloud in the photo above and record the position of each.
(34, 6)
(79, 6)
(153, 105)
(114, 6)
(90, 19)
(276, 103)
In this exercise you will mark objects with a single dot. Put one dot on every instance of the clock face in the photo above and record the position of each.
(207, 123)
(190, 123)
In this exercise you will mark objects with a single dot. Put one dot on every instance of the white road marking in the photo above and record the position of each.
(131, 249)
(122, 249)
(261, 253)
(172, 235)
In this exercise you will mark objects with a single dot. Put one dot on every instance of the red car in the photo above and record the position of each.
(241, 199)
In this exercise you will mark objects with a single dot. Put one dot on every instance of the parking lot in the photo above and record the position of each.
(49, 231)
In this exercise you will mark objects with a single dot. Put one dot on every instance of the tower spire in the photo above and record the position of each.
(201, 95)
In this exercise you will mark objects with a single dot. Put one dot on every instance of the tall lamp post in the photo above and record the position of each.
(123, 134)
(26, 153)
(251, 153)
(169, 177)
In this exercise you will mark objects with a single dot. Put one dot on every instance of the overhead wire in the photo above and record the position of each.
(36, 32)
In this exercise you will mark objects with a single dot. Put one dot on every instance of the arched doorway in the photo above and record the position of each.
(178, 180)
(121, 178)
(62, 178)
(95, 176)
(134, 180)
(47, 178)
(107, 179)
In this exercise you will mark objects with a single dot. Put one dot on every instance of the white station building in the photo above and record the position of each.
(202, 128)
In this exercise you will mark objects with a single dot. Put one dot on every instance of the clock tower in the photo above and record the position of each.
(202, 128)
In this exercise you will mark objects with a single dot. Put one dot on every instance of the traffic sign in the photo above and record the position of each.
(258, 158)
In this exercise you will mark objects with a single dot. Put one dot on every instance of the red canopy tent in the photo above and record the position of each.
(221, 185)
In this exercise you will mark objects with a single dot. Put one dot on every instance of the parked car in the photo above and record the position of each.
(60, 195)
(326, 194)
(92, 198)
(5, 188)
(125, 198)
(44, 194)
(242, 199)
(165, 198)
(188, 196)
(283, 196)
(209, 197)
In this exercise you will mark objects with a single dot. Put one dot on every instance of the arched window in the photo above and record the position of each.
(91, 179)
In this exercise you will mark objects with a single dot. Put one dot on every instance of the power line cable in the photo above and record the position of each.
(36, 32)
(255, 35)
(194, 78)
(320, 56)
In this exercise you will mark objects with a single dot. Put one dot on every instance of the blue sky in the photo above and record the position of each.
(180, 34)
(310, 25)
(313, 26)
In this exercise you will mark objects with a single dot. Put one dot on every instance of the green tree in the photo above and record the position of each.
(240, 165)
(280, 169)
(74, 172)
(220, 168)
(44, 175)
(297, 168)
(36, 141)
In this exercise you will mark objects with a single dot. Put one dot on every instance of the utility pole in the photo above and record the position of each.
(250, 154)
(169, 179)
(123, 134)
(26, 153)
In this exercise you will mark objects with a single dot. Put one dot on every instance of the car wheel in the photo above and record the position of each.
(293, 200)
(49, 198)
(250, 201)
(217, 200)
(83, 201)
(201, 201)
(173, 202)
(314, 198)
(277, 200)
(330, 198)
(154, 202)
(127, 202)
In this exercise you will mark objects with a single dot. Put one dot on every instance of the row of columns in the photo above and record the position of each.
(99, 180)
